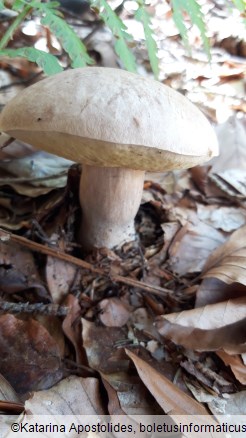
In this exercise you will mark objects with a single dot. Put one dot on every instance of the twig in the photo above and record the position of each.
(57, 253)
(44, 309)
(11, 407)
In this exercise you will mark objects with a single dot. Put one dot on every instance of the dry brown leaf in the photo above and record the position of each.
(196, 241)
(60, 277)
(170, 182)
(232, 140)
(114, 312)
(71, 396)
(143, 320)
(13, 149)
(228, 262)
(39, 169)
(232, 183)
(7, 392)
(232, 404)
(133, 396)
(72, 328)
(227, 219)
(16, 211)
(18, 271)
(28, 344)
(101, 346)
(213, 291)
(236, 364)
(170, 397)
(213, 327)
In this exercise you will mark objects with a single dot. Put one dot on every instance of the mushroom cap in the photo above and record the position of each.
(111, 118)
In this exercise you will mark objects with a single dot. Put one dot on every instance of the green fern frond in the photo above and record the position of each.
(179, 21)
(119, 31)
(46, 61)
(69, 40)
(193, 9)
(18, 5)
(142, 15)
(240, 5)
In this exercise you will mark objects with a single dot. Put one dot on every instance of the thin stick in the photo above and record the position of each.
(43, 309)
(57, 253)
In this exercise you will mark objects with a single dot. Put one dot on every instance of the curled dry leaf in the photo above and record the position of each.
(28, 344)
(72, 328)
(236, 364)
(210, 328)
(213, 291)
(228, 262)
(169, 396)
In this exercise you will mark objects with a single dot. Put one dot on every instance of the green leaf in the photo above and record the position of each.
(197, 18)
(69, 40)
(142, 15)
(240, 5)
(1, 5)
(18, 5)
(179, 21)
(119, 30)
(46, 61)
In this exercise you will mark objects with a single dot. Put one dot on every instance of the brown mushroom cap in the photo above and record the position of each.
(109, 117)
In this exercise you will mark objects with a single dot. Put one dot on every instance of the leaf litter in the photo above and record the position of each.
(154, 325)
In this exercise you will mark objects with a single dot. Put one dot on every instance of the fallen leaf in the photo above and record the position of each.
(114, 312)
(205, 374)
(7, 392)
(210, 328)
(133, 396)
(170, 397)
(228, 262)
(224, 218)
(101, 346)
(143, 320)
(231, 404)
(236, 364)
(28, 344)
(213, 291)
(231, 183)
(71, 396)
(38, 169)
(232, 140)
(60, 277)
(72, 328)
(196, 241)
(18, 271)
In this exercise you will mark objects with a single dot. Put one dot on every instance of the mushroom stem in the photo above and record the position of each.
(109, 198)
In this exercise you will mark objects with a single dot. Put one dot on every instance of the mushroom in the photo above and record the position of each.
(118, 125)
